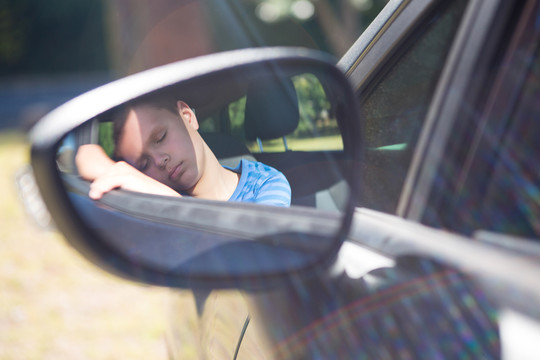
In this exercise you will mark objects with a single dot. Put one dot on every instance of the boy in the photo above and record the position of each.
(162, 153)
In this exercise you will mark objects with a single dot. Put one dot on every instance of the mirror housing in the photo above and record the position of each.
(237, 245)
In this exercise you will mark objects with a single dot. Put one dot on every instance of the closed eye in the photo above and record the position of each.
(143, 164)
(161, 137)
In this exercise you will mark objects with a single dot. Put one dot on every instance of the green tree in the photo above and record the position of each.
(314, 107)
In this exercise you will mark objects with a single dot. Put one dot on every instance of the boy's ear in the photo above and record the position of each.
(187, 114)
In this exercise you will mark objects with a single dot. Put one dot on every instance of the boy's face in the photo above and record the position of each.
(163, 145)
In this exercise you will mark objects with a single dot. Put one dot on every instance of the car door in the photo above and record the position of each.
(395, 48)
(408, 32)
(469, 290)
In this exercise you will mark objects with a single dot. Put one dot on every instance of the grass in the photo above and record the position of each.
(56, 305)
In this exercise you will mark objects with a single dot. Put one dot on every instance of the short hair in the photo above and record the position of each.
(120, 114)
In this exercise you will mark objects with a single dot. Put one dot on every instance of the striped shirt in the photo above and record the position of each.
(261, 184)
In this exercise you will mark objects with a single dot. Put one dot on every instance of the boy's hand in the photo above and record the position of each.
(94, 165)
(124, 176)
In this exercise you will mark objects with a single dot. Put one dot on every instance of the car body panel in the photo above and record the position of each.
(490, 282)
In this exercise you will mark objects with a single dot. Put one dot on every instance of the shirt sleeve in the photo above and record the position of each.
(275, 190)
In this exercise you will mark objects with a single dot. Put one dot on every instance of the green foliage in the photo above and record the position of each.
(106, 137)
(236, 114)
(315, 108)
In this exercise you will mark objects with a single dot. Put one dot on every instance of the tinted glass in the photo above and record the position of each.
(395, 107)
(512, 203)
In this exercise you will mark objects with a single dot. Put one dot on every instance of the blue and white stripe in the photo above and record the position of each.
(261, 184)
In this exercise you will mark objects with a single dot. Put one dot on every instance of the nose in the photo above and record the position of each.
(161, 160)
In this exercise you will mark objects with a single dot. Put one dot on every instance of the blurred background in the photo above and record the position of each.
(53, 304)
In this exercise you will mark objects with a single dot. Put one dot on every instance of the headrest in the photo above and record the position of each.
(271, 109)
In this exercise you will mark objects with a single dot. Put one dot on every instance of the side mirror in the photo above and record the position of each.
(288, 108)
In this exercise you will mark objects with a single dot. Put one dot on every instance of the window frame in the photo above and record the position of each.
(369, 55)
(379, 49)
(442, 141)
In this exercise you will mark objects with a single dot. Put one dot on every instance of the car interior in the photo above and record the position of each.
(271, 114)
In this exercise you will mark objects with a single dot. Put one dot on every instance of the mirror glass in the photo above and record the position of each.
(167, 178)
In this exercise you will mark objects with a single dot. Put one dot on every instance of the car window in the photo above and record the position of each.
(395, 104)
(317, 128)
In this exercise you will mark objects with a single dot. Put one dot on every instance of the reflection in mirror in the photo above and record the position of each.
(261, 137)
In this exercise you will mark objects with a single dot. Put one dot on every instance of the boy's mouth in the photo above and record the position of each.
(175, 171)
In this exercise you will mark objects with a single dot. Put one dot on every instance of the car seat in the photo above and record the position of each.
(272, 112)
(228, 149)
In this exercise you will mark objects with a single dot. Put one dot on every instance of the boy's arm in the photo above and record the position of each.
(92, 161)
(275, 191)
(94, 165)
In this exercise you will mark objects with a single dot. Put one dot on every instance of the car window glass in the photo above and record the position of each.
(395, 107)
(512, 201)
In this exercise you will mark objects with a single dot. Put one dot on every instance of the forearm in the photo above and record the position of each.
(92, 161)
(124, 176)
(94, 165)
